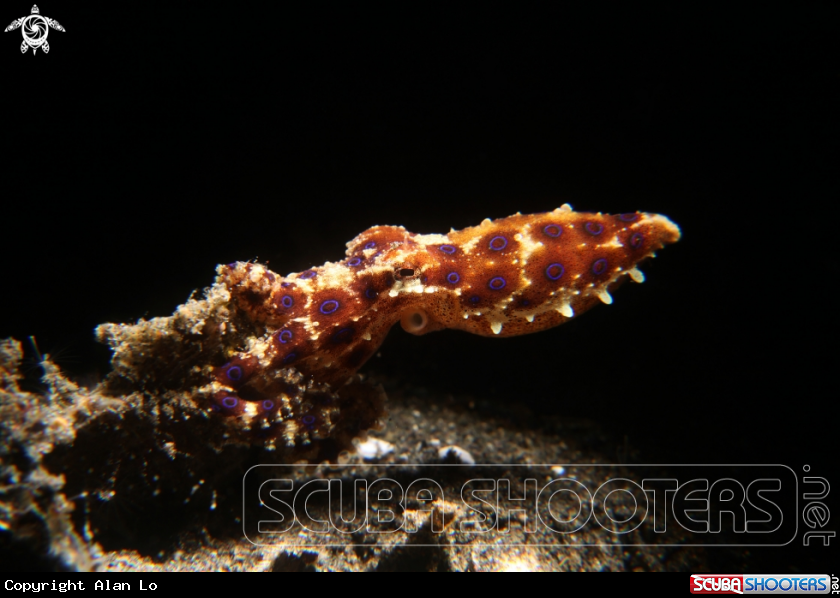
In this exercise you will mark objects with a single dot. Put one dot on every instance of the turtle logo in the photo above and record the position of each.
(35, 29)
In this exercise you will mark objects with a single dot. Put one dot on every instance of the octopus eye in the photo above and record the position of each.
(403, 273)
(636, 240)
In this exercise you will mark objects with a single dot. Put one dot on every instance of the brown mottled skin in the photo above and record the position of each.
(511, 276)
(278, 354)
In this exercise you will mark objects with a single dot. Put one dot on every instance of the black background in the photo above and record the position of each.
(154, 142)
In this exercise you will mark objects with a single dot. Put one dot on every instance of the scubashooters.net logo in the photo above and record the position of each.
(535, 505)
(35, 29)
(761, 584)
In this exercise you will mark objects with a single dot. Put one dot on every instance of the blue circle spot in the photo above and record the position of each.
(370, 245)
(268, 405)
(230, 402)
(594, 228)
(284, 336)
(308, 419)
(475, 299)
(290, 358)
(554, 271)
(343, 335)
(497, 243)
(285, 285)
(452, 277)
(450, 249)
(328, 307)
(370, 293)
(552, 230)
(235, 373)
(636, 240)
(354, 261)
(308, 274)
(599, 266)
(287, 301)
(497, 283)
(232, 265)
(629, 217)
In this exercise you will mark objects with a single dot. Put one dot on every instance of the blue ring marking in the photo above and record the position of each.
(493, 242)
(636, 240)
(599, 266)
(234, 373)
(285, 285)
(452, 277)
(475, 299)
(308, 419)
(553, 230)
(232, 265)
(329, 307)
(450, 249)
(497, 283)
(555, 266)
(308, 274)
(594, 228)
(284, 336)
(342, 335)
(369, 245)
(268, 405)
(287, 301)
(230, 402)
(371, 293)
(290, 358)
(629, 217)
(354, 261)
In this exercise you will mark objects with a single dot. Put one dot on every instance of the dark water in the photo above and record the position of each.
(145, 148)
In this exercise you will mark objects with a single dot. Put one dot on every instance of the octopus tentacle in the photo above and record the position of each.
(284, 349)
